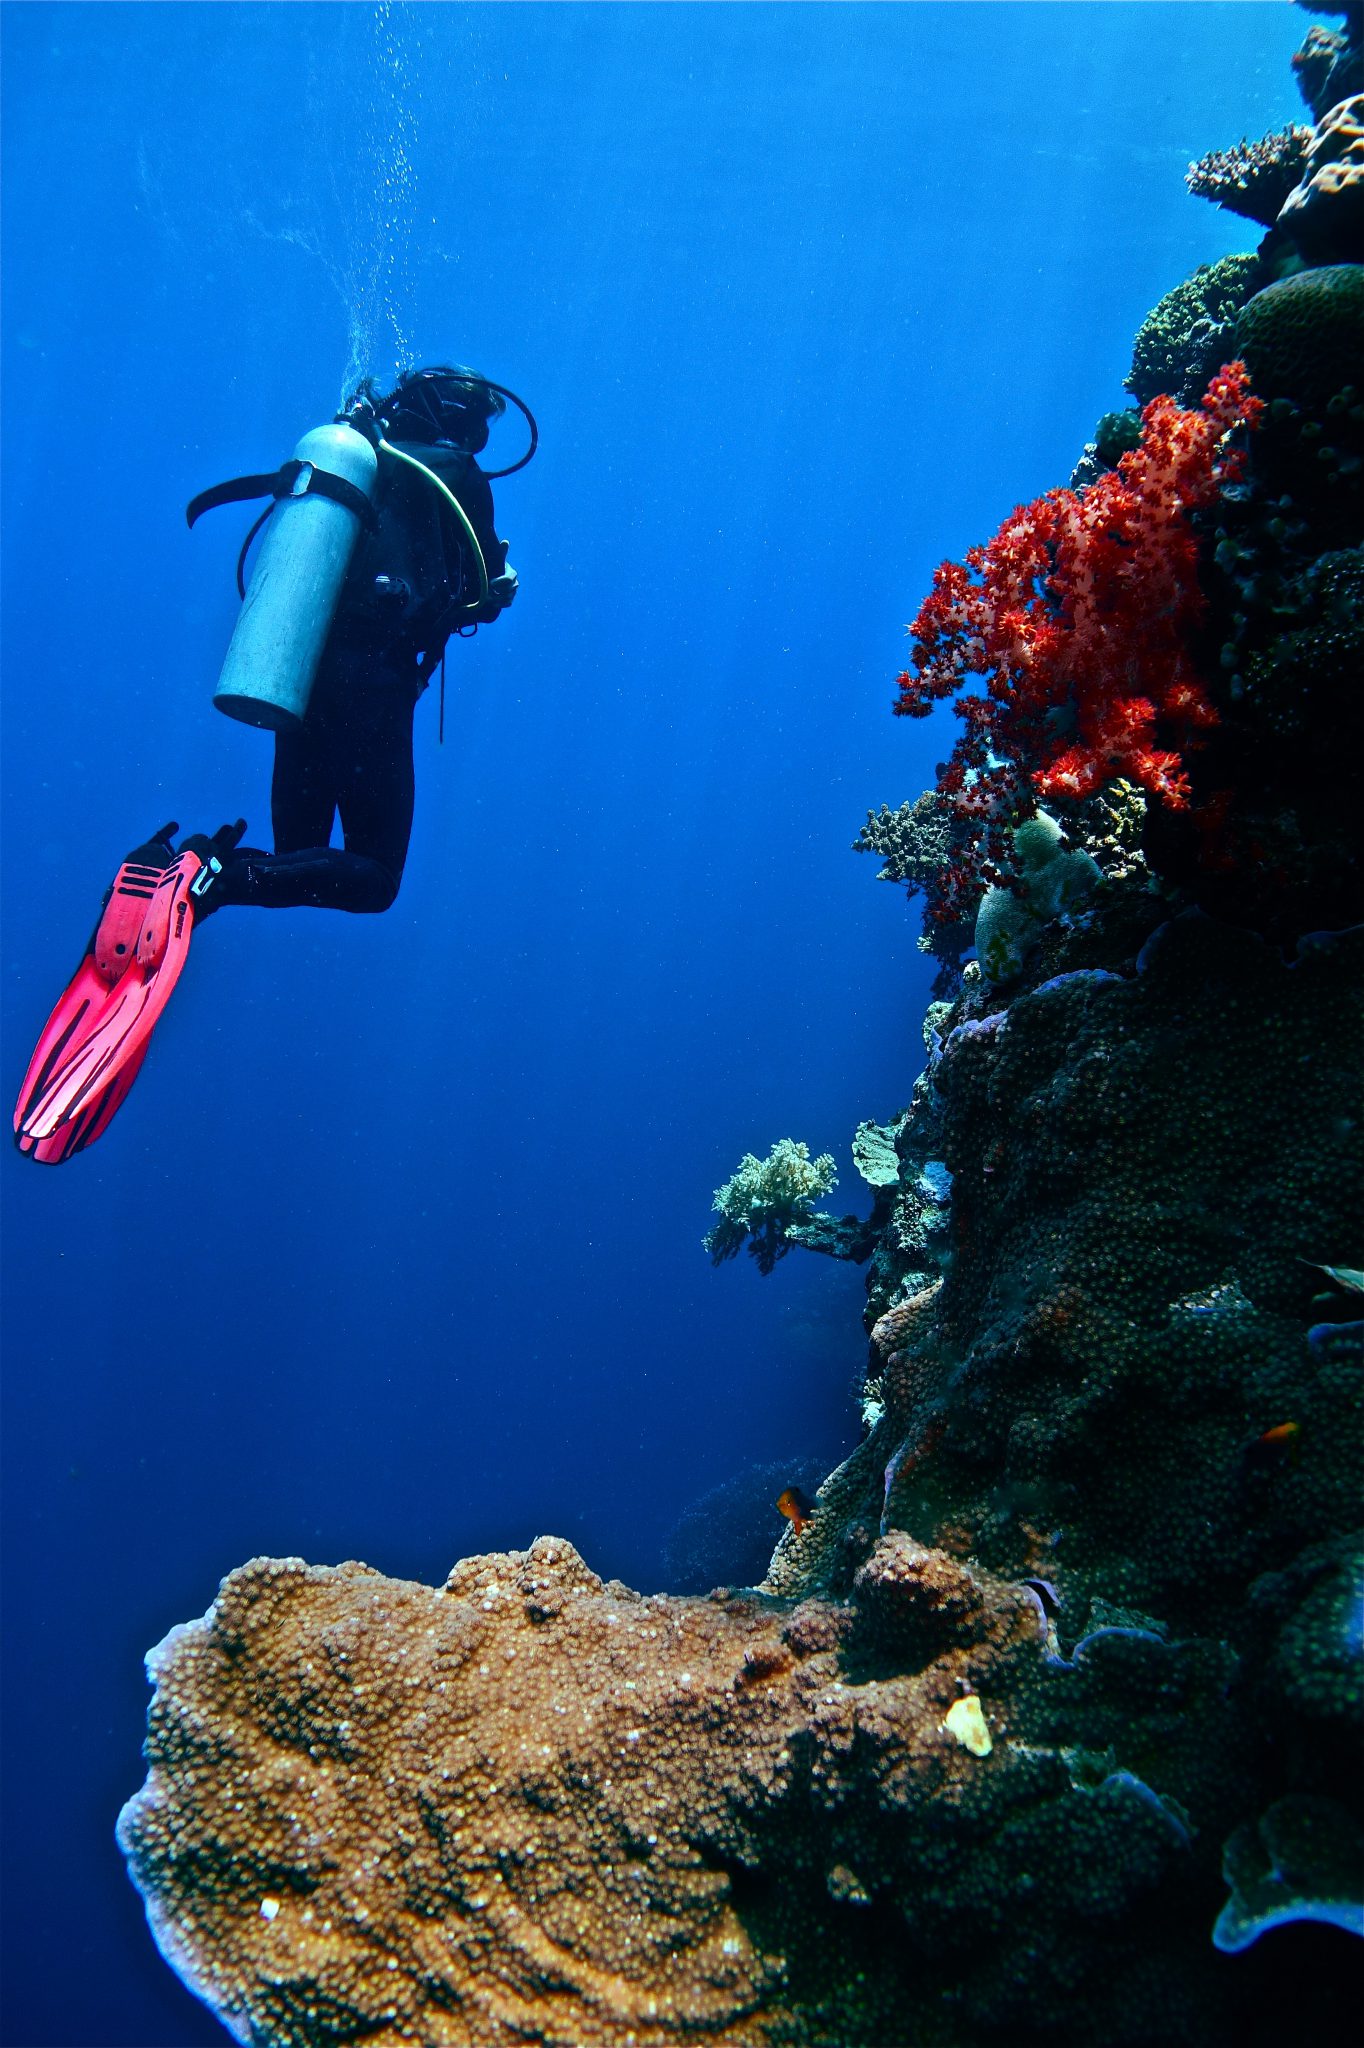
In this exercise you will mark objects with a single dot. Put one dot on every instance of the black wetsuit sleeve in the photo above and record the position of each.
(476, 496)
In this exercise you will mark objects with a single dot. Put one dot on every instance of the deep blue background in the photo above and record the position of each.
(395, 1253)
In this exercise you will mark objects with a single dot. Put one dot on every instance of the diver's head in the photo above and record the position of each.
(447, 403)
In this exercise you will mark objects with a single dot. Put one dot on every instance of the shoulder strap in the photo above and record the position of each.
(290, 480)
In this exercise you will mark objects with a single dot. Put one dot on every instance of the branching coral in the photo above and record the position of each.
(763, 1198)
(1254, 178)
(916, 844)
(1080, 616)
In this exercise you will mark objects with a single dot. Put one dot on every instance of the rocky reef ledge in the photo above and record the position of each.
(1077, 1626)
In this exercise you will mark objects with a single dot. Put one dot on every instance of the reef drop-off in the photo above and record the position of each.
(530, 1806)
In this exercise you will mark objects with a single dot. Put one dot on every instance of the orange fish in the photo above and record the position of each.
(1271, 1449)
(1283, 1438)
(797, 1507)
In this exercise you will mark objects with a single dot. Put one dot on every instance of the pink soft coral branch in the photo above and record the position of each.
(1079, 616)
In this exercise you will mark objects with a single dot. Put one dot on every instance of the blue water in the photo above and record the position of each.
(395, 1250)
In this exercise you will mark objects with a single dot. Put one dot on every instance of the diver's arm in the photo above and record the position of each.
(475, 494)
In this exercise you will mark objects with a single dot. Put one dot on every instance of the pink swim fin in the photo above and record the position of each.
(89, 1053)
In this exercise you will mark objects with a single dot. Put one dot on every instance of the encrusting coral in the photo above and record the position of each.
(1324, 212)
(532, 1807)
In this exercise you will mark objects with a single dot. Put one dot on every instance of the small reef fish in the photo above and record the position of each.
(797, 1506)
(1274, 1446)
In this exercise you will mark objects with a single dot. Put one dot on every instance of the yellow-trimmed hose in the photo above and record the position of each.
(452, 501)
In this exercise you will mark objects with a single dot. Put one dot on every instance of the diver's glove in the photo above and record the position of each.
(502, 589)
(214, 850)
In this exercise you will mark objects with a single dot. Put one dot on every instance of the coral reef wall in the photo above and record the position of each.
(1075, 1624)
(1046, 1725)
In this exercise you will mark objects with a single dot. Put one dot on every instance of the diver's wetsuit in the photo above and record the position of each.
(403, 596)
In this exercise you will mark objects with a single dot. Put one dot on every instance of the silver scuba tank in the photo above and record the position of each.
(276, 645)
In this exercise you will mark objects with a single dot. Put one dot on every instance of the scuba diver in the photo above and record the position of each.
(379, 544)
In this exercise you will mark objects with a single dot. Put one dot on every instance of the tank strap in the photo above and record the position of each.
(290, 480)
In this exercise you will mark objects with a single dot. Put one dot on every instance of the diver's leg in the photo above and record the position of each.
(314, 878)
(306, 872)
(303, 787)
(376, 781)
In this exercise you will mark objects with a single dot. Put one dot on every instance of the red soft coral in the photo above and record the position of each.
(1079, 615)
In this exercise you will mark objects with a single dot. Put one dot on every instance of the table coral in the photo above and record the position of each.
(533, 1807)
(1252, 179)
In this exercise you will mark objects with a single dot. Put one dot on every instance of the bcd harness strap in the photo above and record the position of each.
(295, 479)
(298, 479)
(290, 480)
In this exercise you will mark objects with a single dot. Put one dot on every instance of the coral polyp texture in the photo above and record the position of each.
(529, 1806)
(1191, 332)
(532, 1807)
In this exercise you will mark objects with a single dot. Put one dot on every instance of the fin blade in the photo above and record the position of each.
(95, 1040)
(82, 1130)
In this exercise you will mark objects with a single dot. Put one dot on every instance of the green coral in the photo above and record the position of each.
(874, 1154)
(1116, 435)
(914, 842)
(1303, 338)
(1186, 338)
(1053, 880)
(763, 1198)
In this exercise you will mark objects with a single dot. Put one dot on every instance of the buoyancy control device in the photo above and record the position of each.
(322, 499)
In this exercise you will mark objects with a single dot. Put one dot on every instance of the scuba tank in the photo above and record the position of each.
(322, 498)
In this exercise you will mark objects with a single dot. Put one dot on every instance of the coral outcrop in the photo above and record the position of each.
(1324, 212)
(530, 1806)
(533, 1807)
(1075, 1626)
(1190, 333)
(1329, 66)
